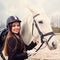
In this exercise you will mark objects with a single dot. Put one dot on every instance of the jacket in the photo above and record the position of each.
(17, 54)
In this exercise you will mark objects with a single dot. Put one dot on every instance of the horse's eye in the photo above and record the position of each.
(41, 22)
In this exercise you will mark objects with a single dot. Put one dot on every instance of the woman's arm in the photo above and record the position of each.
(31, 46)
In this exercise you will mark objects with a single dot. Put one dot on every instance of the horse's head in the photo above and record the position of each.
(41, 26)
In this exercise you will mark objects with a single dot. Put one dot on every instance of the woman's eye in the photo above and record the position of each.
(18, 25)
(13, 25)
(41, 22)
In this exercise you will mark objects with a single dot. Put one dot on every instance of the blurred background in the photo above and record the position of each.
(17, 7)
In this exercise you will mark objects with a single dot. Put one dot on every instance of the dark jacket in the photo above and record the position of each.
(17, 54)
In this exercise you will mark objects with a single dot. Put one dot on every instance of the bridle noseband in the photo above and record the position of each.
(40, 33)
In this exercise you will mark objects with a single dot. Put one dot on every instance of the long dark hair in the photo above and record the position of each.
(11, 34)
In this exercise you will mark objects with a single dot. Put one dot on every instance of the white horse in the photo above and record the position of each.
(37, 26)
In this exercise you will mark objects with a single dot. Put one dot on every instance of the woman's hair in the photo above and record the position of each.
(6, 45)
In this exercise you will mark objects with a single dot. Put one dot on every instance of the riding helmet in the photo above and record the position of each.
(12, 19)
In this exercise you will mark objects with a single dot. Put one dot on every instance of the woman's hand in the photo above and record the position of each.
(31, 52)
(35, 40)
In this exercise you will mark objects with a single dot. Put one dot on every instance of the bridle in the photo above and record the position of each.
(40, 33)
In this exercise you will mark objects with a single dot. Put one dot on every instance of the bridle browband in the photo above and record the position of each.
(40, 33)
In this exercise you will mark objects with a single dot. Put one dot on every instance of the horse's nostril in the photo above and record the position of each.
(54, 45)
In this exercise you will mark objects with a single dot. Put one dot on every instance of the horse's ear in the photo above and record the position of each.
(32, 11)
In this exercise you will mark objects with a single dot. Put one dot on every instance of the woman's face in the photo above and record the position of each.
(16, 27)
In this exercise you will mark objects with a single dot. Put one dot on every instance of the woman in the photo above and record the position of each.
(14, 44)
